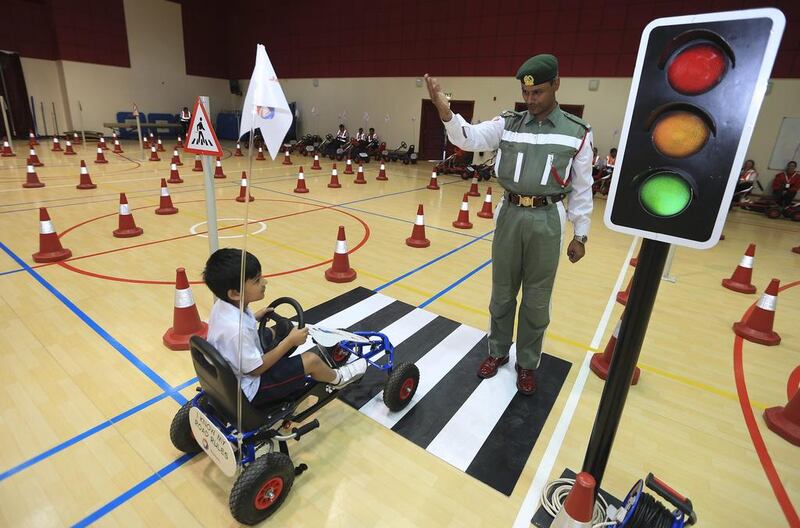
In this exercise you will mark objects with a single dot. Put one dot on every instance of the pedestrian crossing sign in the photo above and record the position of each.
(201, 138)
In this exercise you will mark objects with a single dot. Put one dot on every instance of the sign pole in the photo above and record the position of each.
(211, 203)
(83, 132)
(139, 129)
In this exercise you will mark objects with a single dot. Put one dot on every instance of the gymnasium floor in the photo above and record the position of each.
(88, 389)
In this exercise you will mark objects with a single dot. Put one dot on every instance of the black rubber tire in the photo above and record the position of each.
(401, 386)
(773, 213)
(245, 492)
(180, 432)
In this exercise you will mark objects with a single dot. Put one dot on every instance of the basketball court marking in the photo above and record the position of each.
(261, 228)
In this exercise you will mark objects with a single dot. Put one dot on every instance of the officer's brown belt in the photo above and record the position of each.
(523, 200)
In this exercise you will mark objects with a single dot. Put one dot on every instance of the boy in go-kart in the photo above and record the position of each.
(267, 375)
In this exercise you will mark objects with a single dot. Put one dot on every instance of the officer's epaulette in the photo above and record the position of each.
(578, 120)
(511, 113)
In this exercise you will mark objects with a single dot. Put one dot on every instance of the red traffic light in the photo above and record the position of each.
(697, 69)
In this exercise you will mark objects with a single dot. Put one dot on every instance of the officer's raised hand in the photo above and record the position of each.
(438, 98)
(575, 250)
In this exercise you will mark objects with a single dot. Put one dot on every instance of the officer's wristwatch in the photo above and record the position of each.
(581, 238)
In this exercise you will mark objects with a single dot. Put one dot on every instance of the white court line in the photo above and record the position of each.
(531, 501)
(435, 365)
(462, 437)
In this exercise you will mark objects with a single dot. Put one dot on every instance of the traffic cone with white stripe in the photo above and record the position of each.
(176, 158)
(7, 152)
(146, 143)
(185, 318)
(50, 249)
(301, 182)
(462, 222)
(602, 362)
(101, 158)
(260, 156)
(85, 179)
(473, 188)
(198, 165)
(56, 145)
(154, 154)
(165, 206)
(218, 170)
(315, 165)
(756, 325)
(487, 211)
(334, 183)
(32, 141)
(174, 177)
(286, 159)
(101, 142)
(33, 159)
(434, 183)
(243, 194)
(578, 509)
(238, 152)
(340, 271)
(160, 146)
(360, 175)
(382, 173)
(32, 179)
(117, 147)
(179, 144)
(127, 226)
(76, 139)
(741, 280)
(348, 168)
(417, 238)
(114, 137)
(785, 421)
(69, 151)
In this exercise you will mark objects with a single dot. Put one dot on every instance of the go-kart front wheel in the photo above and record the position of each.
(261, 488)
(180, 432)
(401, 386)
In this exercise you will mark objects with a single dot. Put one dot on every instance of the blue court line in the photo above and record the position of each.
(12, 271)
(140, 487)
(96, 429)
(456, 283)
(127, 354)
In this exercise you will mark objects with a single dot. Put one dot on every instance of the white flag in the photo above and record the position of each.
(265, 106)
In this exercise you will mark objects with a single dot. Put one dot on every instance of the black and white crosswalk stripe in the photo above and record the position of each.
(482, 427)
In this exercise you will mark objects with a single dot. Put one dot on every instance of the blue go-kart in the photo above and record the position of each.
(209, 422)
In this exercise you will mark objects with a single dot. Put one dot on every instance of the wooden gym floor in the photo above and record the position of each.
(88, 390)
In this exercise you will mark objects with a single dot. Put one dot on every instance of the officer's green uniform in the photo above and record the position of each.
(534, 159)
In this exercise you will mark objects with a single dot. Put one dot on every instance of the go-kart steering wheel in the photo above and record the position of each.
(264, 334)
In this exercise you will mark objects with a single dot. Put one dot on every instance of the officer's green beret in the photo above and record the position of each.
(538, 69)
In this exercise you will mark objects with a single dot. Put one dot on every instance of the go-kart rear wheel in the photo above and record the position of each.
(401, 386)
(773, 212)
(261, 488)
(180, 432)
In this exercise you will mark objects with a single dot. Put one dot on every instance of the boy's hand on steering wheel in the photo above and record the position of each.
(259, 315)
(297, 336)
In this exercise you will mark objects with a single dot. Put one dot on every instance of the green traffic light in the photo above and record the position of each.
(665, 194)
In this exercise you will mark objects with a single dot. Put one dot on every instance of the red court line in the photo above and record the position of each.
(755, 434)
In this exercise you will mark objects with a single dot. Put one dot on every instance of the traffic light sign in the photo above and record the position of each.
(696, 91)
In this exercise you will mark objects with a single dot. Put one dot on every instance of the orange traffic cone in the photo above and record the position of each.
(117, 147)
(348, 168)
(487, 211)
(417, 238)
(32, 179)
(635, 260)
(301, 182)
(382, 173)
(742, 276)
(198, 165)
(360, 175)
(50, 249)
(76, 139)
(56, 145)
(176, 159)
(334, 183)
(160, 146)
(315, 165)
(146, 143)
(154, 154)
(218, 170)
(7, 152)
(577, 510)
(174, 177)
(340, 271)
(434, 183)
(101, 158)
(102, 143)
(127, 227)
(179, 144)
(286, 159)
(260, 156)
(622, 296)
(602, 362)
(85, 178)
(243, 194)
(796, 249)
(785, 421)
(69, 151)
(185, 319)
(114, 137)
(165, 206)
(33, 159)
(473, 188)
(756, 326)
(462, 222)
(238, 150)
(32, 141)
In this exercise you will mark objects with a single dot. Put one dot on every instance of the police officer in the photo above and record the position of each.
(544, 155)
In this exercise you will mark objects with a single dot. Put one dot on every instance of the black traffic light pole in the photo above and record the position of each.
(644, 287)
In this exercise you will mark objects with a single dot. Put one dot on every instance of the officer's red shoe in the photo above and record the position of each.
(490, 365)
(526, 380)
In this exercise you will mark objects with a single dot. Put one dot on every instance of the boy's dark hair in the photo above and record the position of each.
(223, 268)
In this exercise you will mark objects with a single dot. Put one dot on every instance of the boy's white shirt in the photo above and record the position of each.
(223, 334)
